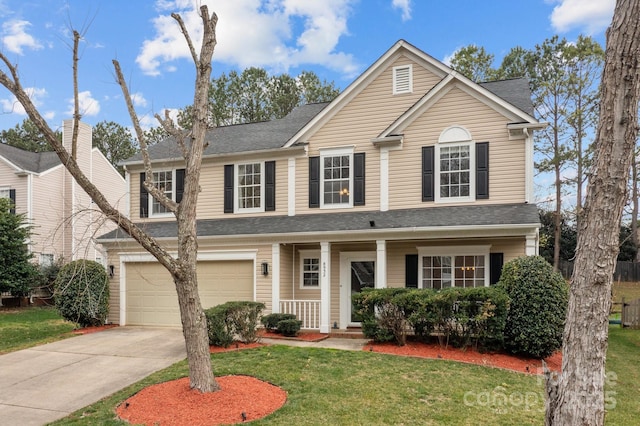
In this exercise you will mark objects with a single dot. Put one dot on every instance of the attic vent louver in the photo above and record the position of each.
(402, 79)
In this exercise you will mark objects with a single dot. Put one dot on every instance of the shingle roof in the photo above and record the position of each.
(36, 162)
(242, 137)
(515, 91)
(432, 217)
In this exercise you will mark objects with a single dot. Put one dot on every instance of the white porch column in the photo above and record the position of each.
(531, 244)
(325, 287)
(275, 278)
(381, 264)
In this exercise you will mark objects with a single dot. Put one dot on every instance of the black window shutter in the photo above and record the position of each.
(228, 188)
(269, 186)
(428, 182)
(411, 271)
(496, 261)
(358, 179)
(12, 197)
(482, 170)
(314, 182)
(144, 197)
(179, 185)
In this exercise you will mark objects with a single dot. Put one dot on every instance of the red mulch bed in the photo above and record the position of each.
(235, 346)
(242, 398)
(87, 330)
(499, 360)
(307, 336)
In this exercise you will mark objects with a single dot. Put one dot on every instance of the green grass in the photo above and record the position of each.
(340, 387)
(22, 328)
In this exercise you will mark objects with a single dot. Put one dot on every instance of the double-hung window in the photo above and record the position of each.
(336, 177)
(165, 182)
(250, 188)
(443, 267)
(455, 171)
(309, 269)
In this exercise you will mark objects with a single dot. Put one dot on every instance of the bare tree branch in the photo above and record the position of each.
(149, 184)
(76, 100)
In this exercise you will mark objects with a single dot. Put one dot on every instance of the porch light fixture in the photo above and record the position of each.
(111, 268)
(372, 223)
(265, 268)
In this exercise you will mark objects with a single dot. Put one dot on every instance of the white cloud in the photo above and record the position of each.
(88, 105)
(255, 33)
(15, 37)
(12, 106)
(592, 15)
(404, 6)
(138, 99)
(447, 58)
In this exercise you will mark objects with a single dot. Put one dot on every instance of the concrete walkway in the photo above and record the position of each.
(48, 382)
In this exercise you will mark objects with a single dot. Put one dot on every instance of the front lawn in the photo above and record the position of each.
(340, 387)
(22, 328)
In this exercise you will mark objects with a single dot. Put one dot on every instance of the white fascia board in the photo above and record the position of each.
(203, 256)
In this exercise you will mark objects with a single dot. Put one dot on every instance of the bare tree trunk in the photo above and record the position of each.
(182, 269)
(577, 397)
(634, 202)
(557, 216)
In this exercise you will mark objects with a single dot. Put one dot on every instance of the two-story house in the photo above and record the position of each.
(414, 176)
(64, 221)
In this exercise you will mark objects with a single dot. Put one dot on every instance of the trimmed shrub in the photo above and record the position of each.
(538, 308)
(81, 292)
(233, 320)
(382, 318)
(289, 327)
(270, 322)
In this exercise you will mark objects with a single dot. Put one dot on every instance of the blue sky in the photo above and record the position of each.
(337, 39)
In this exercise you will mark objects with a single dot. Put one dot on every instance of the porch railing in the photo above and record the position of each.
(307, 311)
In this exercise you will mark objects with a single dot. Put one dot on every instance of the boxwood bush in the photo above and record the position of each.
(538, 309)
(289, 327)
(233, 320)
(383, 320)
(81, 292)
(270, 322)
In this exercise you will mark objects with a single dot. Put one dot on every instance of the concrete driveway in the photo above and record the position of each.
(48, 382)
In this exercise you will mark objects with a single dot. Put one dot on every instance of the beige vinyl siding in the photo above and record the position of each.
(9, 180)
(263, 283)
(506, 158)
(114, 290)
(48, 203)
(286, 271)
(365, 117)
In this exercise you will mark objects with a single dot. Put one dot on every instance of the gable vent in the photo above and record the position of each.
(402, 79)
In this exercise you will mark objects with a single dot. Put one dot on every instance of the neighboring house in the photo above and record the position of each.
(413, 177)
(65, 222)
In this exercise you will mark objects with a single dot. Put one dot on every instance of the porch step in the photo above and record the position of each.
(349, 333)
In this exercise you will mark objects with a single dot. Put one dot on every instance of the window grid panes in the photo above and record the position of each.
(440, 272)
(164, 182)
(336, 179)
(5, 193)
(455, 171)
(249, 185)
(311, 272)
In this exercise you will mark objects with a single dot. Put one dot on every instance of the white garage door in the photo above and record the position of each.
(151, 295)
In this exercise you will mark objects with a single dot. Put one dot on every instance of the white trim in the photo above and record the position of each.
(528, 167)
(336, 152)
(384, 179)
(531, 244)
(291, 187)
(127, 195)
(346, 257)
(456, 134)
(453, 251)
(236, 185)
(472, 173)
(381, 264)
(155, 183)
(400, 90)
(30, 198)
(302, 255)
(275, 278)
(325, 286)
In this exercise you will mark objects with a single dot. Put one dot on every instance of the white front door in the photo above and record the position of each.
(357, 271)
